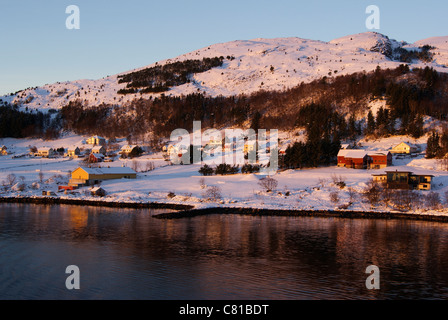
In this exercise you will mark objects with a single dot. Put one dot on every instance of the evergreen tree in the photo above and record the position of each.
(371, 126)
(416, 129)
(433, 149)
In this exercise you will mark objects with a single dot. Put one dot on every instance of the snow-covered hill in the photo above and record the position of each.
(268, 64)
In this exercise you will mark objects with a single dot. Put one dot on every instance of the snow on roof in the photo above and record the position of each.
(44, 149)
(97, 155)
(351, 153)
(111, 170)
(378, 153)
(128, 147)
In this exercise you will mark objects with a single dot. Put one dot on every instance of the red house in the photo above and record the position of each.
(380, 159)
(96, 157)
(361, 159)
(356, 159)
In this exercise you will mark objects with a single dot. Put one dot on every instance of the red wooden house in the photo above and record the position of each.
(96, 157)
(380, 159)
(356, 159)
(361, 159)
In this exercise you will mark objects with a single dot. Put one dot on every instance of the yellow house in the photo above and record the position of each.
(248, 147)
(96, 140)
(73, 152)
(88, 176)
(403, 147)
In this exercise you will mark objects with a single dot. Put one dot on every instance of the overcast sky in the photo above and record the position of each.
(115, 36)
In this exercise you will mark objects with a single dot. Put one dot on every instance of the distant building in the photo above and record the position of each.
(96, 140)
(404, 180)
(83, 176)
(404, 148)
(96, 157)
(362, 159)
(45, 152)
(355, 159)
(379, 159)
(127, 149)
(73, 152)
(99, 149)
(98, 191)
(4, 151)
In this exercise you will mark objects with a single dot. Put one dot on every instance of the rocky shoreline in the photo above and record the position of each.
(301, 213)
(98, 203)
(189, 211)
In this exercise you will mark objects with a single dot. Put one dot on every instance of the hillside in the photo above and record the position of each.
(247, 66)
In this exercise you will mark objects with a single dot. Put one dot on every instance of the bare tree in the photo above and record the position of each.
(135, 165)
(338, 181)
(202, 183)
(432, 200)
(149, 166)
(334, 197)
(406, 199)
(41, 176)
(372, 192)
(268, 183)
(351, 194)
(11, 179)
(212, 193)
(387, 196)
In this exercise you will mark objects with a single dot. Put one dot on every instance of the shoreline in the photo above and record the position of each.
(95, 203)
(302, 213)
(189, 211)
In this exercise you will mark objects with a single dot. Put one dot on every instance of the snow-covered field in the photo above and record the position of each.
(297, 189)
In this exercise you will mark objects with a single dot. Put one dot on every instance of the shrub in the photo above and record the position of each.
(206, 170)
(334, 197)
(250, 168)
(338, 181)
(212, 193)
(171, 195)
(372, 192)
(432, 200)
(406, 199)
(268, 183)
(224, 168)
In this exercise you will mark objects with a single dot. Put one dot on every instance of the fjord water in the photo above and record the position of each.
(128, 254)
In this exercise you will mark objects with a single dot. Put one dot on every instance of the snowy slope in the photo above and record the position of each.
(294, 60)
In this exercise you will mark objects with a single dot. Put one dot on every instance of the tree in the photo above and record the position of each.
(268, 183)
(213, 193)
(206, 170)
(371, 126)
(255, 124)
(433, 149)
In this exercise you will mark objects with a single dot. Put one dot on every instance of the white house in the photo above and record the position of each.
(45, 152)
(99, 149)
(73, 152)
(127, 149)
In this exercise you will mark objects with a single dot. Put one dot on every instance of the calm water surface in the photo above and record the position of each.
(128, 254)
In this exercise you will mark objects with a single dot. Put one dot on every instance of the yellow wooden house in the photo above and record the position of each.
(404, 147)
(84, 176)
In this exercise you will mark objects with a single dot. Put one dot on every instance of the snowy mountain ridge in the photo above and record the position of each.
(250, 66)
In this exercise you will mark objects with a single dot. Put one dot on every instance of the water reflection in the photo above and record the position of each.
(127, 254)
